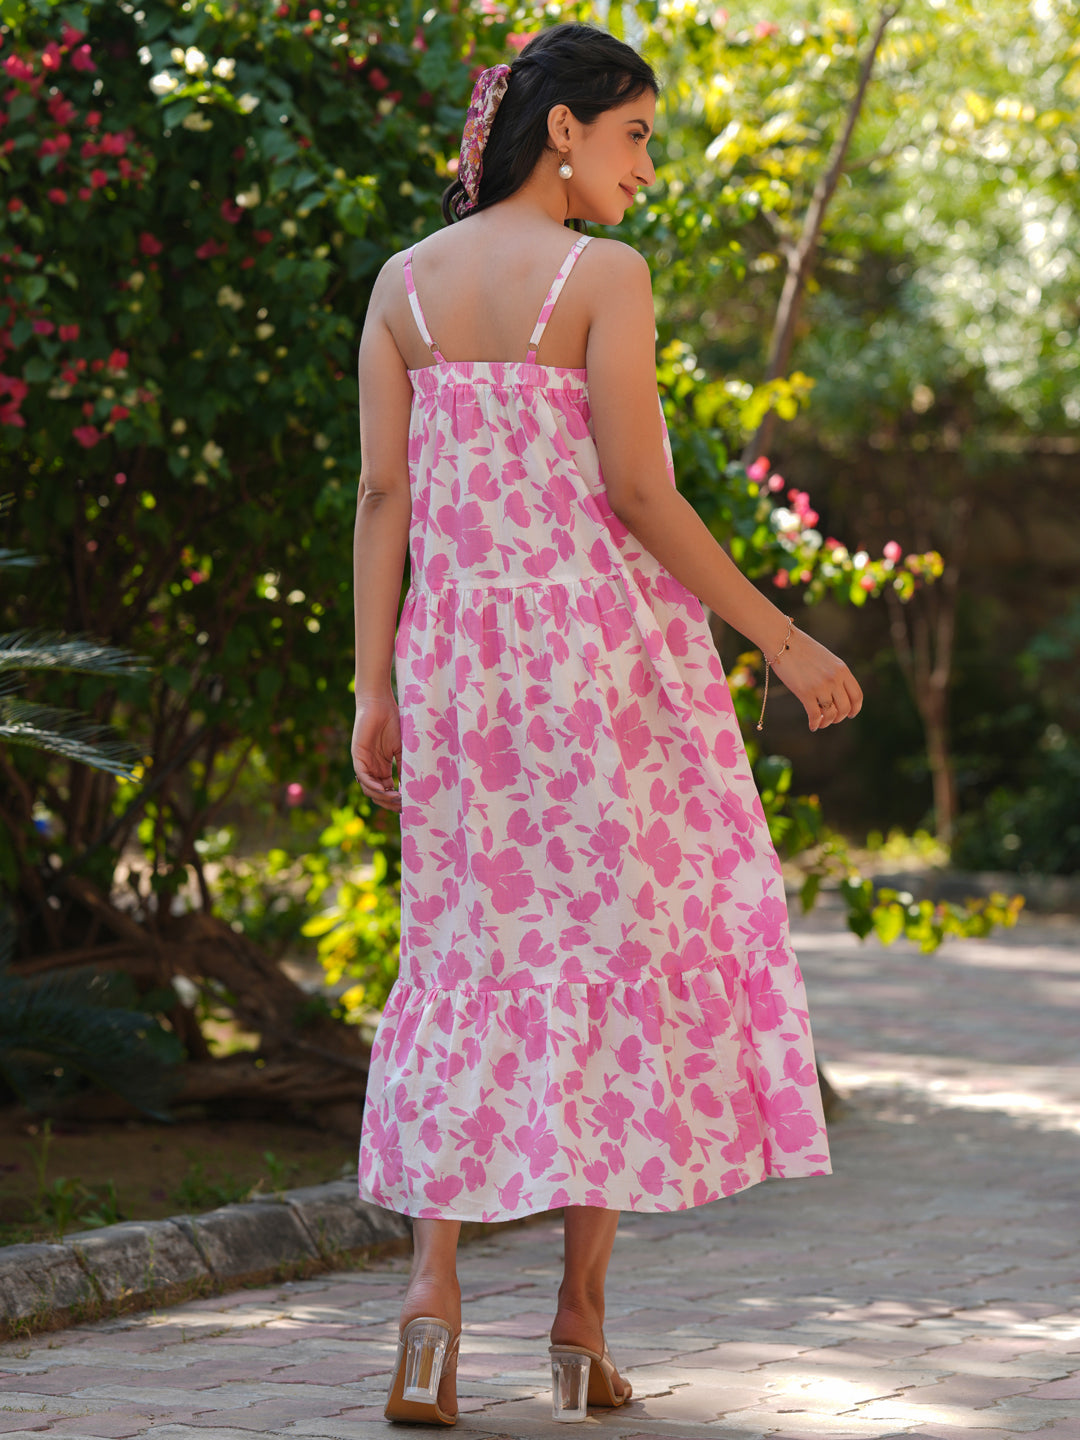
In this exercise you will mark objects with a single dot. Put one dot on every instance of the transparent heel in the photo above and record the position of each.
(424, 1355)
(569, 1384)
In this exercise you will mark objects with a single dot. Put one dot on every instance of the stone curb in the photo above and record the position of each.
(96, 1273)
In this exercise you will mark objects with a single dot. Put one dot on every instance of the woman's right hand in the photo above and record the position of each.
(819, 680)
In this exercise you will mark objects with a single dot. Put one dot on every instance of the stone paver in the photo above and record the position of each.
(928, 1288)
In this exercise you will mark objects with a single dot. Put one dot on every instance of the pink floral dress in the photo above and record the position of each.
(598, 1002)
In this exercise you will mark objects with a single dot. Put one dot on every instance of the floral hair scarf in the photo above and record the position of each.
(487, 94)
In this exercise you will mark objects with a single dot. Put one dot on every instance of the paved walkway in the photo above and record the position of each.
(930, 1287)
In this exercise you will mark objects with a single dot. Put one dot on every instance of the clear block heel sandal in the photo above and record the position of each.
(580, 1378)
(423, 1350)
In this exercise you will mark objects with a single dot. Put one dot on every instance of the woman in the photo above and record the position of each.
(598, 1007)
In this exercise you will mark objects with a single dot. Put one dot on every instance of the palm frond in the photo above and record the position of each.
(68, 734)
(47, 650)
(81, 1023)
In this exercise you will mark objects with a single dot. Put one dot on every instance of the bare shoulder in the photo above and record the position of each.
(388, 282)
(614, 262)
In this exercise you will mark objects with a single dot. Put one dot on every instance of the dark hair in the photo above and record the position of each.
(578, 66)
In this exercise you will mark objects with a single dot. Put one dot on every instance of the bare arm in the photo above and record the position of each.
(380, 543)
(621, 363)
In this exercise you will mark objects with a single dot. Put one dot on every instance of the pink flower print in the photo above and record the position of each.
(431, 1134)
(584, 907)
(596, 1172)
(404, 1108)
(485, 631)
(767, 922)
(661, 852)
(535, 951)
(629, 1055)
(608, 887)
(555, 816)
(630, 958)
(632, 735)
(536, 1143)
(435, 571)
(505, 1071)
(607, 843)
(465, 526)
(423, 788)
(466, 417)
(528, 1022)
(641, 679)
(793, 1125)
(611, 1113)
(767, 1005)
(558, 856)
(509, 885)
(706, 1101)
(644, 902)
(453, 971)
(583, 766)
(563, 786)
(427, 910)
(695, 915)
(651, 1176)
(661, 799)
(669, 1127)
(482, 483)
(482, 1128)
(516, 508)
(798, 1068)
(499, 761)
(697, 817)
(473, 1173)
(727, 748)
(522, 829)
(614, 1156)
(541, 562)
(444, 1191)
(510, 1193)
(539, 736)
(582, 723)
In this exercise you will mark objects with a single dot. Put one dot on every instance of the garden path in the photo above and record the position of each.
(928, 1288)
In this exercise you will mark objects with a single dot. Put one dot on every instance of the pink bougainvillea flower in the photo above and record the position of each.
(150, 244)
(98, 178)
(70, 36)
(209, 248)
(231, 212)
(118, 360)
(113, 143)
(57, 196)
(120, 478)
(43, 327)
(892, 551)
(14, 205)
(867, 582)
(93, 119)
(84, 192)
(50, 56)
(87, 435)
(81, 60)
(264, 236)
(119, 412)
(61, 110)
(18, 68)
(759, 469)
(764, 28)
(781, 579)
(377, 80)
(776, 482)
(294, 791)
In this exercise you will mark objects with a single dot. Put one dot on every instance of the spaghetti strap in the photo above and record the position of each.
(552, 296)
(418, 314)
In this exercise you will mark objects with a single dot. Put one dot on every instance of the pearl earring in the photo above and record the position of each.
(566, 170)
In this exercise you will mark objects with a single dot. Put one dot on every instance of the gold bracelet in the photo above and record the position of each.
(769, 663)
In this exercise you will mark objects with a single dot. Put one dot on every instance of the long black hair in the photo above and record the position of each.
(578, 66)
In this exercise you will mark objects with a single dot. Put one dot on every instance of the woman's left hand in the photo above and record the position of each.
(376, 749)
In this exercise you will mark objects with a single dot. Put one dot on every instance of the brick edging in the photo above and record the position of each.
(93, 1274)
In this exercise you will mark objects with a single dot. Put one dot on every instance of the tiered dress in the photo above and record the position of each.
(598, 1002)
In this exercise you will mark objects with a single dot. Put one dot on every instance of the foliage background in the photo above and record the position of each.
(198, 195)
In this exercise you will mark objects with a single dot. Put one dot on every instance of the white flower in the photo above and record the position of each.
(177, 54)
(859, 559)
(248, 199)
(263, 332)
(225, 68)
(247, 102)
(321, 441)
(179, 426)
(163, 83)
(144, 55)
(195, 121)
(212, 453)
(136, 280)
(228, 296)
(288, 229)
(195, 62)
